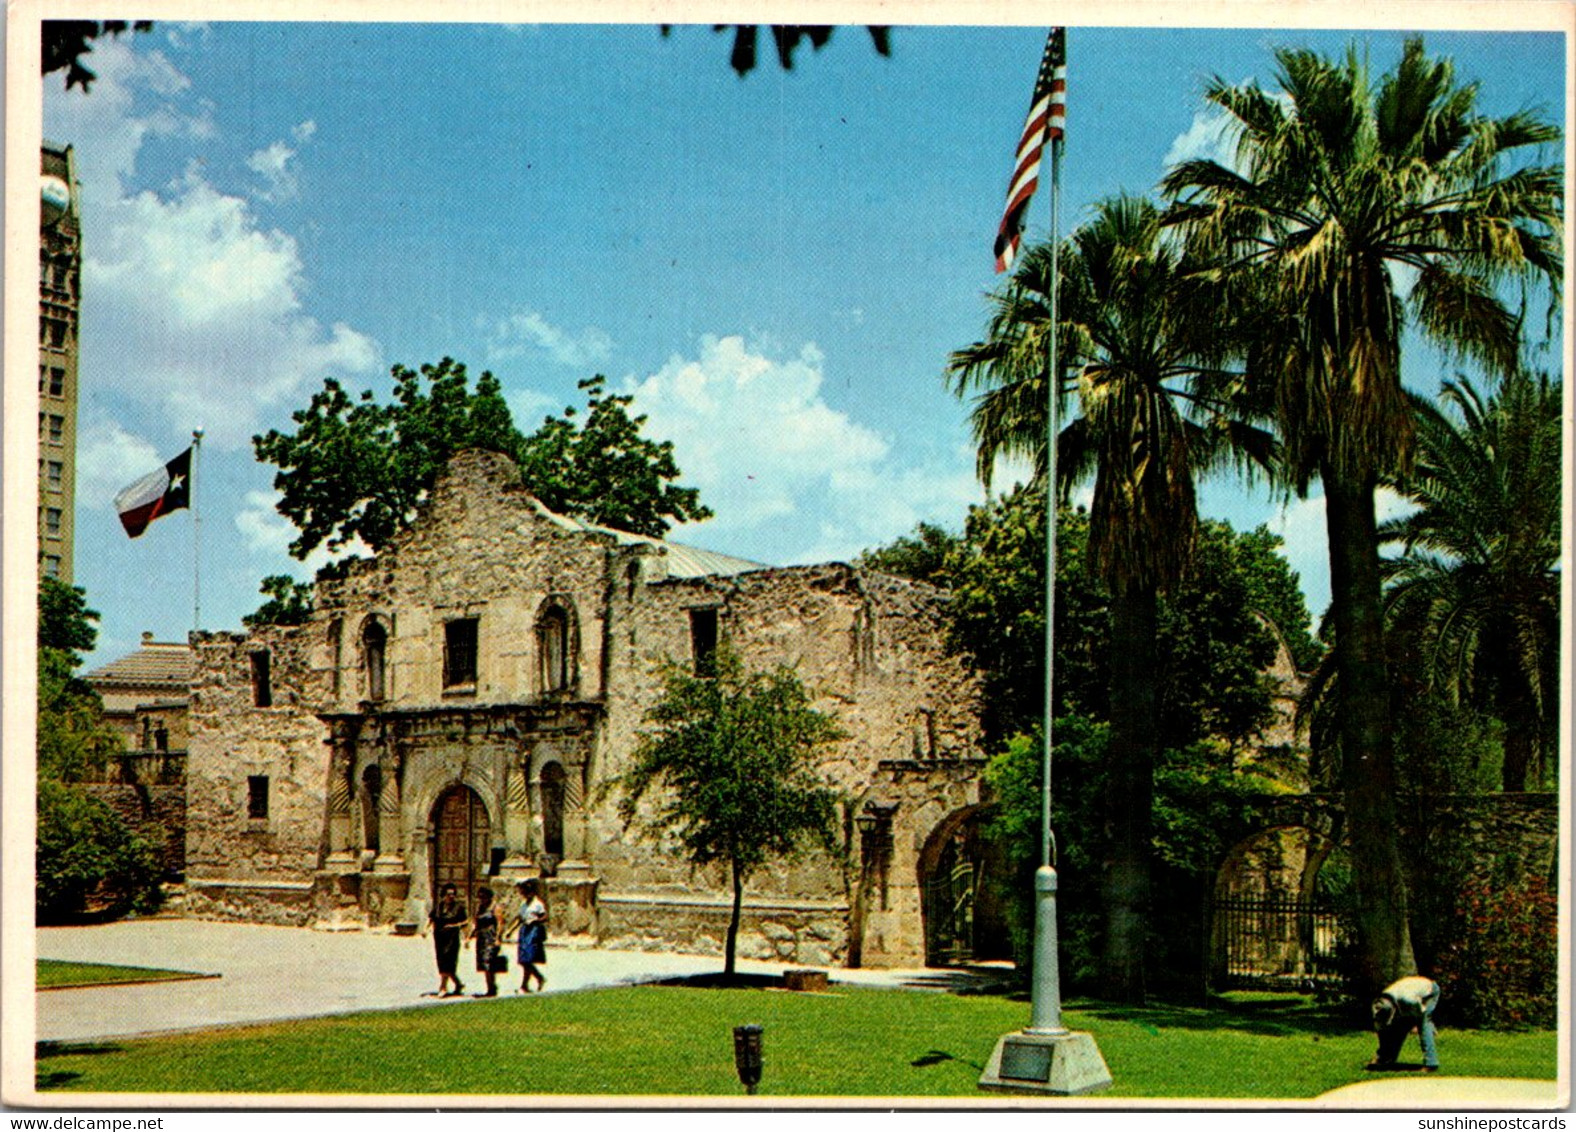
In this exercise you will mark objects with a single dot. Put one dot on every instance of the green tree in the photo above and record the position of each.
(83, 850)
(604, 470)
(356, 469)
(921, 556)
(1135, 328)
(1341, 184)
(289, 602)
(1475, 595)
(65, 622)
(64, 42)
(786, 39)
(731, 760)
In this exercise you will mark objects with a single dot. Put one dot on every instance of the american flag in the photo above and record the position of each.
(1047, 117)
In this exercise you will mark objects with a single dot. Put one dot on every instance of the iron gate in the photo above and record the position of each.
(949, 907)
(1274, 942)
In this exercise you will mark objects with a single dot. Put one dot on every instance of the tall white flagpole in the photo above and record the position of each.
(196, 537)
(1045, 1056)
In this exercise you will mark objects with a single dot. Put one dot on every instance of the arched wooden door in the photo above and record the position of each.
(462, 839)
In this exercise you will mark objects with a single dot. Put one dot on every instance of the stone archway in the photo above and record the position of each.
(461, 842)
(1268, 927)
(961, 891)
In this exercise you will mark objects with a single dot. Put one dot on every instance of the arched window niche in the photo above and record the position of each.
(557, 638)
(374, 658)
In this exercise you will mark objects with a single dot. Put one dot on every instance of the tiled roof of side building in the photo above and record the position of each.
(156, 662)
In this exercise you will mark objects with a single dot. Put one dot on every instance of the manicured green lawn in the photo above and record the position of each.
(60, 973)
(677, 1041)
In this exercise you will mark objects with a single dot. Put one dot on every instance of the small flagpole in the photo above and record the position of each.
(196, 537)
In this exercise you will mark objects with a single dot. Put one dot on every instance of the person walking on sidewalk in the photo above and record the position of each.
(1406, 1005)
(484, 930)
(448, 921)
(532, 924)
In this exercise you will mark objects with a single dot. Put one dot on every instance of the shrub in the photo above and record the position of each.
(89, 862)
(1501, 969)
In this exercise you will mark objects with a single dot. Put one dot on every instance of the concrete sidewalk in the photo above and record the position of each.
(272, 973)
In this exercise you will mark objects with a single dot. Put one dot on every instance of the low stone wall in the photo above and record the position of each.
(283, 903)
(812, 933)
(156, 811)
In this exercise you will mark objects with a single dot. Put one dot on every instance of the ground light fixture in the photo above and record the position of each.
(747, 1056)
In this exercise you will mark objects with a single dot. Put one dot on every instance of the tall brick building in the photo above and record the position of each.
(456, 706)
(60, 287)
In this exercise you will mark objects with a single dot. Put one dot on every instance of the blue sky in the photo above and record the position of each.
(777, 266)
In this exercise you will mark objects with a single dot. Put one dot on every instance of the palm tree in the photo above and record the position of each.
(1138, 344)
(1477, 591)
(1365, 209)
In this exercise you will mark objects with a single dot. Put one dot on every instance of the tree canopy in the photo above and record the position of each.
(64, 42)
(731, 761)
(355, 469)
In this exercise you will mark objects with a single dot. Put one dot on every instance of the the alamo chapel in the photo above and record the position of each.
(455, 706)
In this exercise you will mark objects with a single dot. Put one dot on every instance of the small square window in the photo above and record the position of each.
(262, 682)
(56, 474)
(256, 796)
(52, 518)
(51, 565)
(459, 653)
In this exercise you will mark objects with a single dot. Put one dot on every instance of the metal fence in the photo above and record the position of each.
(1274, 942)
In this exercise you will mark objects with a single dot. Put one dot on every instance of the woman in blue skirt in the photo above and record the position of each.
(532, 924)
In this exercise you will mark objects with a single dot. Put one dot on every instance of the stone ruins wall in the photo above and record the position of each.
(868, 647)
(238, 865)
(481, 547)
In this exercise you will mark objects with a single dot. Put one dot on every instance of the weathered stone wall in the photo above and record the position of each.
(482, 547)
(233, 739)
(869, 648)
(166, 717)
(785, 931)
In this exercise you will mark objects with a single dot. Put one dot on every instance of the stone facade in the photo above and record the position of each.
(456, 708)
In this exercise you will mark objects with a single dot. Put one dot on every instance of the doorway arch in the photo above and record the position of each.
(461, 841)
(961, 895)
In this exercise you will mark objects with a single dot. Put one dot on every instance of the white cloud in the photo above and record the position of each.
(791, 479)
(527, 332)
(109, 458)
(1209, 138)
(269, 534)
(273, 166)
(197, 307)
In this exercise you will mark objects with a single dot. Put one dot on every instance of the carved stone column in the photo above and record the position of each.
(520, 860)
(390, 858)
(341, 770)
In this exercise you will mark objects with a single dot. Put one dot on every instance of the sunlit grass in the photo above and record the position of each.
(677, 1041)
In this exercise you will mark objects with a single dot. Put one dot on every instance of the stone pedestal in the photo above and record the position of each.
(1066, 1064)
(571, 904)
(383, 897)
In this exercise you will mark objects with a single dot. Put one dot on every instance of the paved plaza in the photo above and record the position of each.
(271, 973)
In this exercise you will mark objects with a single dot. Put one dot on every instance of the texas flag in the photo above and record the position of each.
(157, 493)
